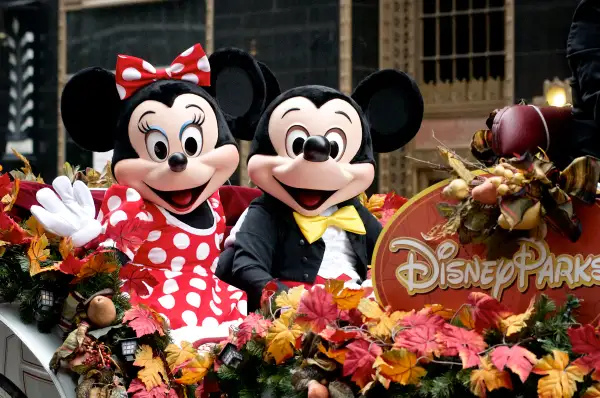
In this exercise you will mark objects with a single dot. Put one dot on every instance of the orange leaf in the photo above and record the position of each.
(337, 355)
(37, 253)
(440, 310)
(488, 378)
(96, 264)
(283, 340)
(153, 372)
(34, 227)
(345, 298)
(196, 369)
(592, 392)
(466, 318)
(515, 323)
(65, 247)
(178, 357)
(10, 199)
(399, 366)
(560, 379)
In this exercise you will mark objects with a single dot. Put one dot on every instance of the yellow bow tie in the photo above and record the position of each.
(346, 218)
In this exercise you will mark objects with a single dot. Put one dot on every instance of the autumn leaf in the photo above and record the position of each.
(467, 344)
(441, 311)
(143, 321)
(37, 253)
(5, 185)
(337, 355)
(592, 392)
(421, 340)
(317, 309)
(153, 372)
(283, 340)
(370, 309)
(71, 265)
(585, 341)
(10, 199)
(291, 298)
(178, 357)
(488, 378)
(136, 279)
(96, 263)
(465, 316)
(390, 206)
(560, 379)
(196, 369)
(399, 366)
(519, 360)
(268, 292)
(130, 234)
(422, 318)
(338, 336)
(12, 232)
(252, 325)
(384, 327)
(137, 389)
(65, 247)
(359, 361)
(34, 227)
(487, 311)
(515, 323)
(345, 298)
(26, 165)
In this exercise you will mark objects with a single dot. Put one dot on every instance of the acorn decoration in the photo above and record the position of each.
(101, 311)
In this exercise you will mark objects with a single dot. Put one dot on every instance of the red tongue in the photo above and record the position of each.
(182, 198)
(309, 199)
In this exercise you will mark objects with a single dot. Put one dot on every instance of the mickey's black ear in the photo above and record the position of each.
(273, 89)
(393, 104)
(90, 107)
(240, 88)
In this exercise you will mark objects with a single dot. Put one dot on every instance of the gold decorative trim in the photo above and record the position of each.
(76, 5)
(345, 77)
(209, 41)
(243, 167)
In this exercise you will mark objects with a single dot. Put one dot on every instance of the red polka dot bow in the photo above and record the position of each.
(134, 73)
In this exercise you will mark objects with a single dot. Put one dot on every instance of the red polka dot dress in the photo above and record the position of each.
(183, 260)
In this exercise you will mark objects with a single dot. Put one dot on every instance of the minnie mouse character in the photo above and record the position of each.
(311, 155)
(171, 131)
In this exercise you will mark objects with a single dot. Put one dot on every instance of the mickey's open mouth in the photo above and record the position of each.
(310, 199)
(180, 200)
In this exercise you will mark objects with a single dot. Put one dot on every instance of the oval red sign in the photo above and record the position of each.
(409, 272)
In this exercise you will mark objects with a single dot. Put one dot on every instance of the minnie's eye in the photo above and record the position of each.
(337, 140)
(294, 141)
(191, 140)
(157, 146)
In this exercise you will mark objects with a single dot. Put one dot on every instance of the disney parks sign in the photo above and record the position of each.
(409, 272)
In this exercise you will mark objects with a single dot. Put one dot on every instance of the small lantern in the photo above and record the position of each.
(45, 300)
(128, 348)
(230, 356)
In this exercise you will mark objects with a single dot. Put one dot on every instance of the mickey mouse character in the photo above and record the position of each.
(171, 131)
(311, 155)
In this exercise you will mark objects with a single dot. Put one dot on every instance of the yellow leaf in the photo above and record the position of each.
(291, 298)
(283, 340)
(34, 227)
(370, 309)
(386, 324)
(465, 317)
(592, 392)
(362, 198)
(488, 378)
(10, 199)
(457, 165)
(440, 310)
(344, 298)
(97, 264)
(65, 247)
(27, 166)
(153, 373)
(399, 366)
(337, 355)
(37, 253)
(177, 356)
(515, 323)
(560, 380)
(195, 371)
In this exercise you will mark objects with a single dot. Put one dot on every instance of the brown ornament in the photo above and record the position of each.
(101, 311)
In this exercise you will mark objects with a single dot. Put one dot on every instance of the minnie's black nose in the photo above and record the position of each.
(178, 162)
(316, 149)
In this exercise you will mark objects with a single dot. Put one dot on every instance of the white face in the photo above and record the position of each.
(308, 186)
(178, 166)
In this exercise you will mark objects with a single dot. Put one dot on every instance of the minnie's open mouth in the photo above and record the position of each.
(180, 200)
(310, 199)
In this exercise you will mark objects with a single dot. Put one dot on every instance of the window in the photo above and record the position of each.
(463, 40)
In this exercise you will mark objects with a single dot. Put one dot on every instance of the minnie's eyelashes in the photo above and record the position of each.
(198, 119)
(144, 129)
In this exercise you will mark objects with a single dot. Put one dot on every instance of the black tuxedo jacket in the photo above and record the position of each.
(270, 245)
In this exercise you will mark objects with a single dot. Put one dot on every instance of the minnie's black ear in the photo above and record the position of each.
(273, 89)
(240, 88)
(393, 104)
(90, 107)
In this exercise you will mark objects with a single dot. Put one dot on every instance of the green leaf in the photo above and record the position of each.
(446, 210)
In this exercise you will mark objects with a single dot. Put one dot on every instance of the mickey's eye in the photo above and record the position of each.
(294, 141)
(191, 140)
(337, 140)
(157, 146)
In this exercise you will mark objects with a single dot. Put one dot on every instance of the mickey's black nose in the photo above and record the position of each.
(316, 149)
(178, 162)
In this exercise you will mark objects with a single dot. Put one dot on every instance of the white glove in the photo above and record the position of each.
(70, 216)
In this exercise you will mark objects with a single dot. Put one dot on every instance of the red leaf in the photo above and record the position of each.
(136, 279)
(10, 231)
(586, 341)
(422, 318)
(71, 265)
(462, 342)
(138, 390)
(253, 324)
(486, 310)
(390, 206)
(5, 185)
(359, 361)
(353, 317)
(144, 321)
(317, 309)
(268, 294)
(337, 336)
(421, 340)
(130, 234)
(519, 360)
